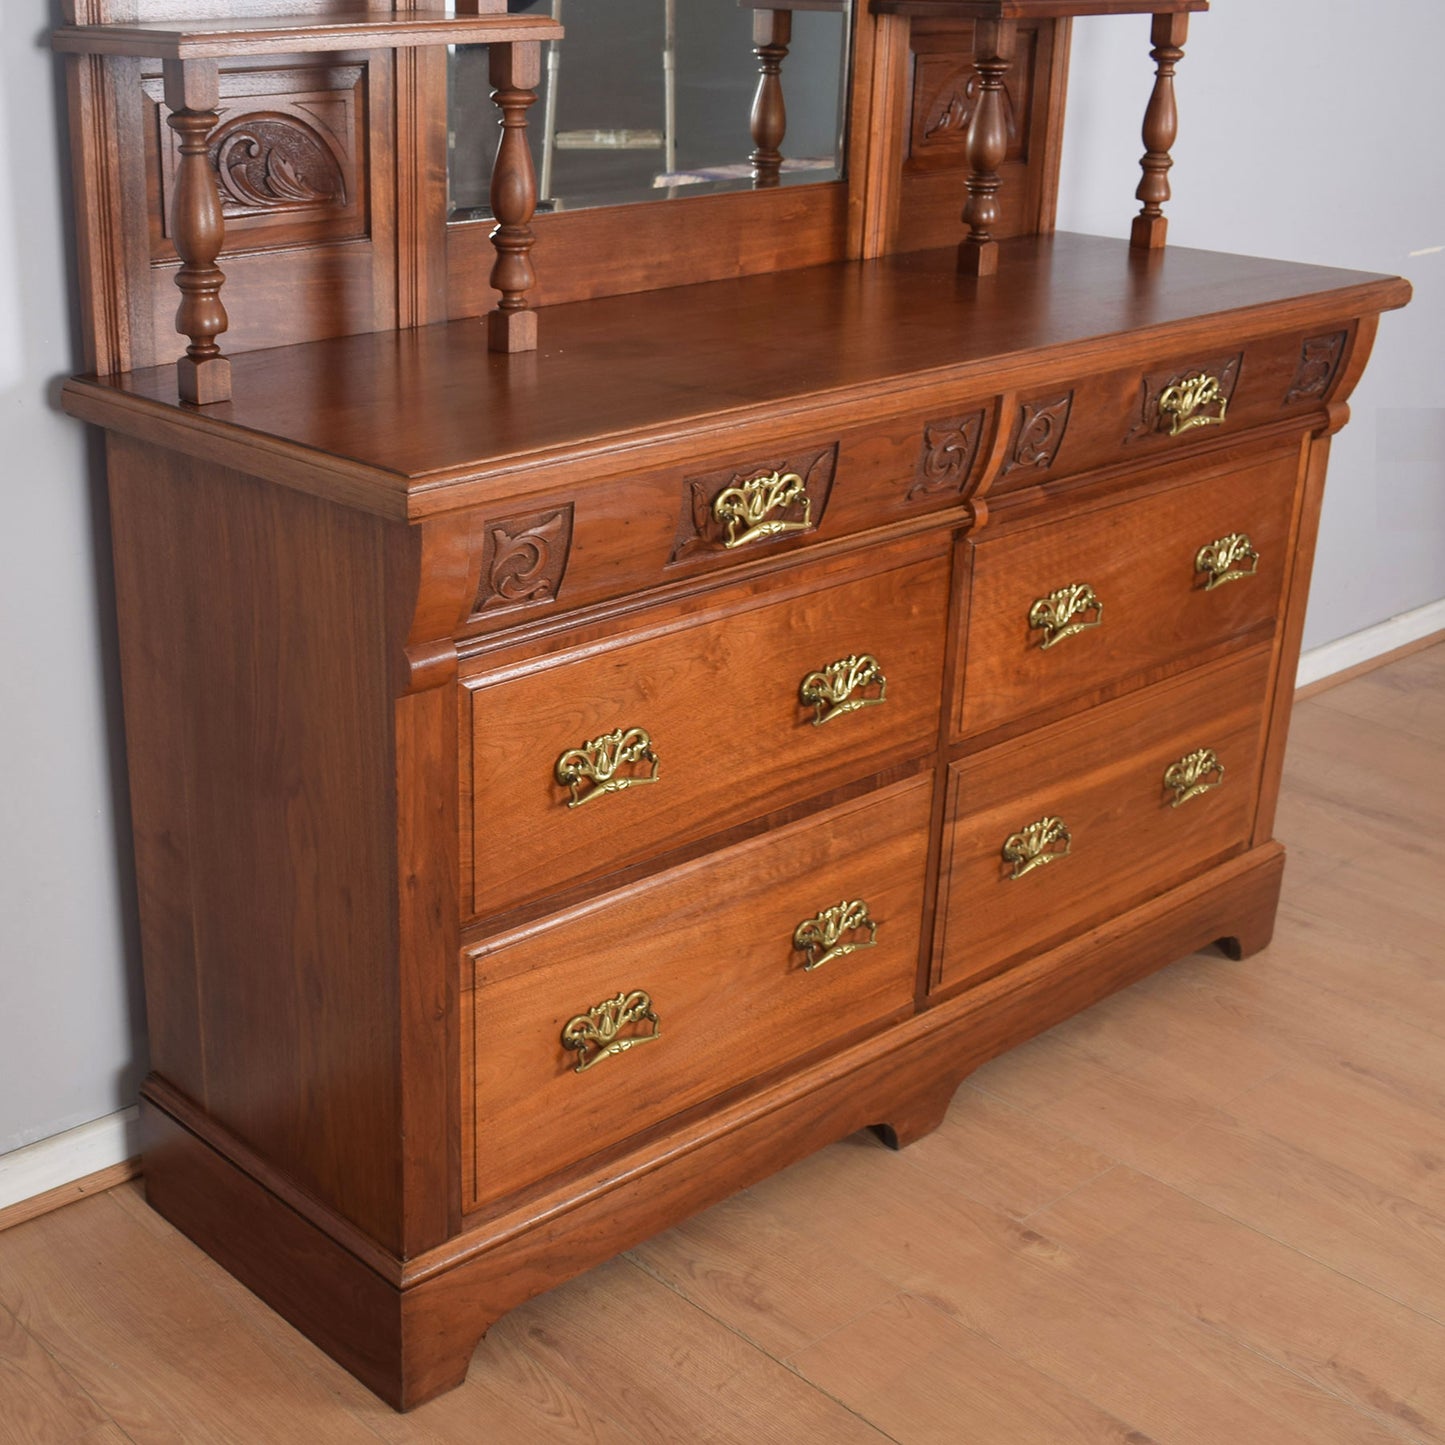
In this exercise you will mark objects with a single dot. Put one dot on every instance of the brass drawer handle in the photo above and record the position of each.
(1225, 559)
(597, 763)
(1184, 403)
(821, 937)
(1063, 613)
(1040, 843)
(1192, 775)
(831, 689)
(599, 1028)
(747, 509)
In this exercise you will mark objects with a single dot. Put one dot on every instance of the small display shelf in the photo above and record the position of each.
(290, 34)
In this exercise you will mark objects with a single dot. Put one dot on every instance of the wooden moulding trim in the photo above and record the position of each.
(975, 1026)
(305, 34)
(71, 1193)
(953, 1038)
(192, 1117)
(1032, 9)
(194, 434)
(415, 498)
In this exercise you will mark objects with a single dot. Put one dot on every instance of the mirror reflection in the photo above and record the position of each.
(650, 99)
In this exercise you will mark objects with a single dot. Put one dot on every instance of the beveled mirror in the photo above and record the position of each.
(647, 100)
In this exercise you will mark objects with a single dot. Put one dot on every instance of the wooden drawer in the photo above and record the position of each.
(1103, 776)
(710, 704)
(1168, 406)
(712, 947)
(1137, 560)
(624, 534)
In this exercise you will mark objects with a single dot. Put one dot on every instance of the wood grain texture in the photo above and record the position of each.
(741, 743)
(1104, 778)
(379, 410)
(97, 1183)
(1179, 1319)
(712, 945)
(1139, 560)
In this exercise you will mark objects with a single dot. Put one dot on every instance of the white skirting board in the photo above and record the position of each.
(112, 1140)
(64, 1158)
(1347, 652)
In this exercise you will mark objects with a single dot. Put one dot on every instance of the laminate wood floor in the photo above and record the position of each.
(1209, 1211)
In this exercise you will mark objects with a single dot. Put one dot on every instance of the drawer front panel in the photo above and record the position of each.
(719, 718)
(1080, 606)
(566, 549)
(1167, 406)
(728, 992)
(1086, 815)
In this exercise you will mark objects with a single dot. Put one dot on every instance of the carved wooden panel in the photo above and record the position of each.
(289, 154)
(947, 454)
(945, 88)
(937, 108)
(1319, 360)
(1146, 420)
(1038, 434)
(523, 560)
(740, 507)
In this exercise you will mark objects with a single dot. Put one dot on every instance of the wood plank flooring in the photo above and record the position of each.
(1209, 1211)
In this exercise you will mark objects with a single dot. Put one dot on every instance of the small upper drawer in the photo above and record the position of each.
(1166, 406)
(606, 755)
(1053, 831)
(725, 968)
(1072, 610)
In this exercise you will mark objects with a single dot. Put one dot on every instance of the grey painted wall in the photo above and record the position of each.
(1292, 145)
(1294, 142)
(70, 1018)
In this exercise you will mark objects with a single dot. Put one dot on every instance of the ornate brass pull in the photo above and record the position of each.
(831, 689)
(1063, 613)
(599, 1028)
(1224, 559)
(1197, 773)
(1185, 401)
(1036, 845)
(821, 937)
(597, 762)
(746, 509)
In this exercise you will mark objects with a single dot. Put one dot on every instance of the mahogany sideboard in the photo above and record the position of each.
(574, 779)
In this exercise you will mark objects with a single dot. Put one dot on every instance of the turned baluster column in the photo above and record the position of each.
(772, 34)
(516, 71)
(993, 50)
(1161, 126)
(198, 229)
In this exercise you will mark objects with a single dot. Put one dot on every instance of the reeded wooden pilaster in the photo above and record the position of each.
(516, 72)
(1161, 126)
(198, 230)
(772, 34)
(993, 44)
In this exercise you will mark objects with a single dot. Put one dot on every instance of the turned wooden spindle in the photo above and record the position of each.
(198, 230)
(1161, 126)
(772, 33)
(993, 50)
(516, 72)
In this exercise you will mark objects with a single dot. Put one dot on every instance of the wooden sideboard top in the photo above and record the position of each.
(414, 422)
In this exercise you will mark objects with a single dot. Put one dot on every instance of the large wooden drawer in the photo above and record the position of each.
(713, 706)
(704, 956)
(1049, 833)
(1077, 608)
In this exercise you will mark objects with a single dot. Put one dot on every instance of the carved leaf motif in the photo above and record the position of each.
(523, 560)
(953, 108)
(1319, 359)
(1040, 433)
(267, 161)
(949, 449)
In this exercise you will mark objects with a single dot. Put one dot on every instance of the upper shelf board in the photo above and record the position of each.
(301, 34)
(1032, 9)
